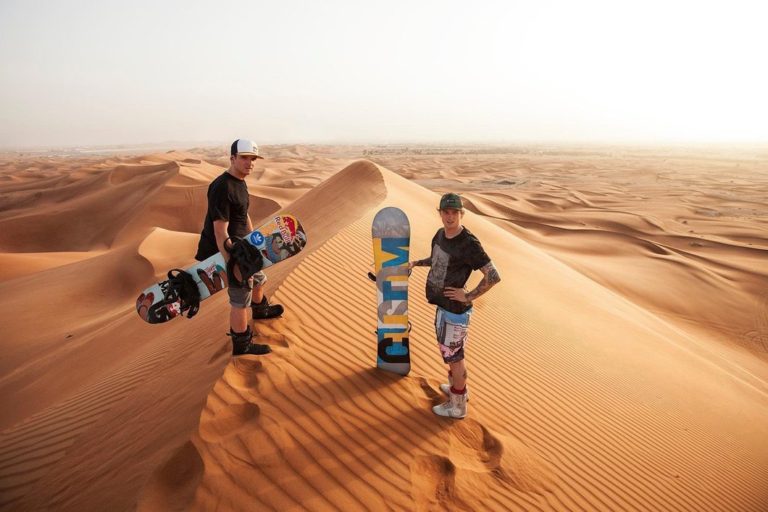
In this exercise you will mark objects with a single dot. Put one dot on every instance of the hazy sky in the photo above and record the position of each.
(108, 72)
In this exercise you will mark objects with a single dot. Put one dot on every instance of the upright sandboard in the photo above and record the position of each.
(277, 240)
(391, 240)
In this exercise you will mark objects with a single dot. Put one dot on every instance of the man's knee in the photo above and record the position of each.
(240, 297)
(259, 278)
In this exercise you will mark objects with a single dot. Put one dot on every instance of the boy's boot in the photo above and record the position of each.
(242, 345)
(455, 407)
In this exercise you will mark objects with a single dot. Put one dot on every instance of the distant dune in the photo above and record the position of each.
(621, 364)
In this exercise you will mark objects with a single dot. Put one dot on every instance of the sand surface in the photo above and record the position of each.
(621, 364)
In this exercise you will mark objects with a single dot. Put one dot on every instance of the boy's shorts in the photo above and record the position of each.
(452, 331)
(240, 297)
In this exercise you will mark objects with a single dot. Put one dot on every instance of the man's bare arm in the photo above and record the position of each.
(490, 278)
(220, 230)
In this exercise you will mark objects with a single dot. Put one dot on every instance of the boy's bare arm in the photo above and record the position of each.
(490, 278)
(426, 262)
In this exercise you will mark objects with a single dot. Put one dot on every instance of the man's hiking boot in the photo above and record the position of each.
(264, 310)
(242, 344)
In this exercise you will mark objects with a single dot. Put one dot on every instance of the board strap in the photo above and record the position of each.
(182, 286)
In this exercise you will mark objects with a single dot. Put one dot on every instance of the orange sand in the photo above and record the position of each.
(621, 364)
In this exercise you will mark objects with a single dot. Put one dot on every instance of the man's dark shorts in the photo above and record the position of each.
(240, 296)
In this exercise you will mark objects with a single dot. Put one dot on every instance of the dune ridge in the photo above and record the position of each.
(439, 475)
(590, 389)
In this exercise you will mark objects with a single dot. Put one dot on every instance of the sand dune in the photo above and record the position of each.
(619, 365)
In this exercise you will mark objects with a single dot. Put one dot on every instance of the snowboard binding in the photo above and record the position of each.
(180, 295)
(183, 288)
(245, 257)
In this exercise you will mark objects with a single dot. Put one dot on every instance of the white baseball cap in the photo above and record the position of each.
(244, 147)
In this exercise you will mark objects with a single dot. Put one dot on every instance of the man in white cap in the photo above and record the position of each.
(227, 216)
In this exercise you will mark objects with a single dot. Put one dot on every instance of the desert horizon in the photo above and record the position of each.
(611, 158)
(621, 363)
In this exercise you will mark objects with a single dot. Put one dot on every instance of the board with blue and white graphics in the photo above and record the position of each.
(391, 234)
(280, 238)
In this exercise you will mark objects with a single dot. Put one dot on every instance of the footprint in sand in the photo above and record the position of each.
(243, 373)
(475, 452)
(173, 485)
(227, 421)
(266, 334)
(433, 481)
(474, 448)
